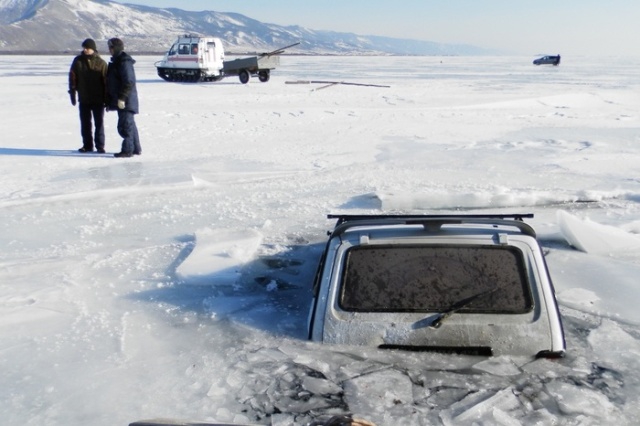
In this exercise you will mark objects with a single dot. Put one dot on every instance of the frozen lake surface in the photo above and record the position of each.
(177, 283)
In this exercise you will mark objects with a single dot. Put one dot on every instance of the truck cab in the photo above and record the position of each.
(193, 58)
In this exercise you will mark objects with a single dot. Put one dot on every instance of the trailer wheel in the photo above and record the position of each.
(244, 76)
(263, 76)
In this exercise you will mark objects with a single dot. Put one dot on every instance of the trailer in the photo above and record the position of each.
(244, 68)
(196, 59)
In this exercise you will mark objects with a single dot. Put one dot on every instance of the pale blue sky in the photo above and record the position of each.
(569, 27)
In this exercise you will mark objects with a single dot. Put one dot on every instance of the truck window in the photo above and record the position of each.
(434, 278)
(173, 50)
(194, 49)
(184, 49)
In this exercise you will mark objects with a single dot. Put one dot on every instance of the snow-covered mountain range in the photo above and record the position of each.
(61, 25)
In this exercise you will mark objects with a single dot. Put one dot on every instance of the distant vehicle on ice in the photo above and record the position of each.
(194, 59)
(547, 60)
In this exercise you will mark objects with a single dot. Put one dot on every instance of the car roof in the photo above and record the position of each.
(503, 222)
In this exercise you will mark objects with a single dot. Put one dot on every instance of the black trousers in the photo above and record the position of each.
(89, 136)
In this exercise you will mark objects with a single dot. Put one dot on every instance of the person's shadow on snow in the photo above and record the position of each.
(51, 153)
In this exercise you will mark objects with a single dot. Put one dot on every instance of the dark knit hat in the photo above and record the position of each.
(90, 44)
(116, 44)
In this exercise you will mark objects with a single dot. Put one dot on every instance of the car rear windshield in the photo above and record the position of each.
(435, 278)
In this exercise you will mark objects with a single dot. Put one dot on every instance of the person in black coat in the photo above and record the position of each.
(87, 80)
(122, 96)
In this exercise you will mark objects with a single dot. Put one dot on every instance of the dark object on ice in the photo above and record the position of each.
(176, 422)
(333, 421)
(332, 83)
(472, 284)
(547, 60)
(341, 420)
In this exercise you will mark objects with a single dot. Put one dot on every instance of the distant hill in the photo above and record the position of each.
(52, 26)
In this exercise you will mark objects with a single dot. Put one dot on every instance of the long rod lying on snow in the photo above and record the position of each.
(332, 83)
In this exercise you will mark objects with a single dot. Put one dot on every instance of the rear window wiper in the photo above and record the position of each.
(436, 323)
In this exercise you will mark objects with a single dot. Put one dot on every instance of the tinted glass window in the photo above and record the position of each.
(435, 278)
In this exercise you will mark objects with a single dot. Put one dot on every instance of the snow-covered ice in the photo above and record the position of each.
(177, 283)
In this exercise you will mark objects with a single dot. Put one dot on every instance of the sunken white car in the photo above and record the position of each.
(471, 284)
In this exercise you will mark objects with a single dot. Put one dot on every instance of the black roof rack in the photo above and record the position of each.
(432, 221)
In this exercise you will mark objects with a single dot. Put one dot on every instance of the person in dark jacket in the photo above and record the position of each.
(87, 79)
(122, 96)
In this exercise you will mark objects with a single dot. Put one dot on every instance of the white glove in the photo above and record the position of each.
(120, 104)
